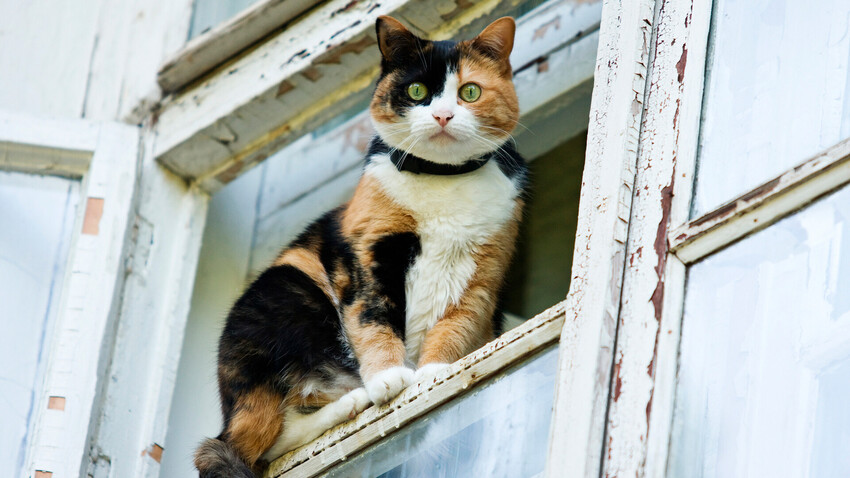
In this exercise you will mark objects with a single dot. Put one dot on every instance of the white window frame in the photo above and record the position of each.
(104, 157)
(202, 136)
(663, 241)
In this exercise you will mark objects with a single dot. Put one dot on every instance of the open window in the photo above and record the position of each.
(257, 213)
(66, 189)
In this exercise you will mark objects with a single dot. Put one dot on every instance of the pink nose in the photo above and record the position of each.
(443, 117)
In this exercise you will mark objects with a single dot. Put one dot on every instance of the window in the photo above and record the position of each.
(554, 58)
(62, 257)
(38, 213)
(731, 335)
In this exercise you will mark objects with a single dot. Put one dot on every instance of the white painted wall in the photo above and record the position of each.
(96, 59)
(36, 217)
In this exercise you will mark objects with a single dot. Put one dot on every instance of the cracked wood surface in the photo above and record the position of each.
(587, 340)
(653, 284)
(321, 65)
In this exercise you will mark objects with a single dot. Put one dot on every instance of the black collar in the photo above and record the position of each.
(407, 162)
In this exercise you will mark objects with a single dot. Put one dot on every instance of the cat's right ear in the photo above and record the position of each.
(395, 41)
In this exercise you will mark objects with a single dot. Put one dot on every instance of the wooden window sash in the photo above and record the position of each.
(663, 240)
(317, 68)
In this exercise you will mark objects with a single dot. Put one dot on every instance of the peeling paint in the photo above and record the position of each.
(683, 61)
(93, 214)
(154, 451)
(540, 32)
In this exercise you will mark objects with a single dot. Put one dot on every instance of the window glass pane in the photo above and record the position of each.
(209, 13)
(764, 374)
(499, 429)
(36, 217)
(776, 92)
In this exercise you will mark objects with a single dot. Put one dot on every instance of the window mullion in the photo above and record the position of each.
(764, 205)
(653, 283)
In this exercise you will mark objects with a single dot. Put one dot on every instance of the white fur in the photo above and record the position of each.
(386, 384)
(429, 372)
(299, 429)
(413, 131)
(454, 215)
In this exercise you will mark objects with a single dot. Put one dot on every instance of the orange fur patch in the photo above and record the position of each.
(377, 347)
(308, 262)
(498, 107)
(380, 106)
(256, 423)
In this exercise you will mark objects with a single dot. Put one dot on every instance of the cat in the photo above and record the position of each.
(399, 282)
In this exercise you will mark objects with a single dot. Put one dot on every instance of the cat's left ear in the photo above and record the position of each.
(497, 40)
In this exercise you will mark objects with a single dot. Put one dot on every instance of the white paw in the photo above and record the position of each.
(428, 372)
(386, 384)
(355, 402)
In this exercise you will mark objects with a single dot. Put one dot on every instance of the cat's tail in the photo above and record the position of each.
(215, 458)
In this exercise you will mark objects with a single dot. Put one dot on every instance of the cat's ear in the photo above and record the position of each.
(497, 40)
(395, 41)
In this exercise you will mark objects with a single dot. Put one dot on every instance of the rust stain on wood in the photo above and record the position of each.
(660, 247)
(683, 61)
(56, 403)
(91, 220)
(154, 451)
(618, 381)
(760, 191)
(719, 212)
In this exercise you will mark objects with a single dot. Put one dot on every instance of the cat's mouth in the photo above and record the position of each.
(442, 136)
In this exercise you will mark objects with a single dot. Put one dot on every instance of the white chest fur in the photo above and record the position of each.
(454, 215)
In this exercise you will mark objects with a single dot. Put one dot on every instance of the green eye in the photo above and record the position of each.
(470, 92)
(417, 91)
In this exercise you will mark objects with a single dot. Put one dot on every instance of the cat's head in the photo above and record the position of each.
(445, 101)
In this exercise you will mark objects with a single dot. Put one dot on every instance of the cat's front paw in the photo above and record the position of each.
(355, 401)
(428, 372)
(386, 384)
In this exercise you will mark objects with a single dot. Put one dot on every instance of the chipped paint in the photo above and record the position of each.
(56, 403)
(763, 205)
(154, 451)
(680, 65)
(93, 214)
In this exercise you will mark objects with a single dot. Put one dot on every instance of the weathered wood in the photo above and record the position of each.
(90, 290)
(651, 304)
(214, 47)
(128, 433)
(300, 78)
(422, 397)
(587, 339)
(42, 146)
(553, 107)
(134, 37)
(763, 205)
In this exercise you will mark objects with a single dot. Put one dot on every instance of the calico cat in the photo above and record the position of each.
(399, 282)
